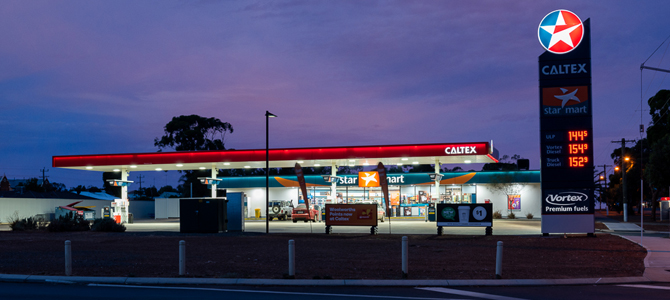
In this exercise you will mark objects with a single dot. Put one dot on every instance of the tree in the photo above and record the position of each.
(657, 173)
(660, 119)
(189, 133)
(193, 133)
(657, 136)
(506, 184)
(506, 163)
(633, 175)
(33, 185)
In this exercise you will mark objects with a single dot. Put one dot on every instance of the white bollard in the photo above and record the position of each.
(499, 257)
(291, 258)
(182, 258)
(68, 258)
(405, 254)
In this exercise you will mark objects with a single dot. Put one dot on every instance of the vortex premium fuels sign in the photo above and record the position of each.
(567, 201)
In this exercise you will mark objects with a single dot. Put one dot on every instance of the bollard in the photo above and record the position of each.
(405, 260)
(499, 252)
(291, 258)
(182, 258)
(68, 258)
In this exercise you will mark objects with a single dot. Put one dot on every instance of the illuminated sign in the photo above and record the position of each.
(565, 101)
(567, 201)
(560, 31)
(461, 150)
(368, 179)
(566, 124)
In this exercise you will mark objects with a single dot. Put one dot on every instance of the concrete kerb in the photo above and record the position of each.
(656, 269)
(318, 282)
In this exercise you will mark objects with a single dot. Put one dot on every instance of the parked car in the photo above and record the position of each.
(280, 209)
(381, 213)
(300, 213)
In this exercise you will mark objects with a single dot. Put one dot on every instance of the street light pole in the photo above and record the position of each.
(268, 115)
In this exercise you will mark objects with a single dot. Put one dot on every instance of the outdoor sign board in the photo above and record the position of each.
(351, 215)
(566, 124)
(465, 215)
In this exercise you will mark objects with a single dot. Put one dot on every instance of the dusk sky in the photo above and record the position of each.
(95, 77)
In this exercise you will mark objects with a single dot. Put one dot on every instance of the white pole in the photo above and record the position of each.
(68, 258)
(641, 209)
(291, 258)
(182, 258)
(499, 256)
(214, 185)
(405, 254)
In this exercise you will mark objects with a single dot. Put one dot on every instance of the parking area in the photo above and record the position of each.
(500, 227)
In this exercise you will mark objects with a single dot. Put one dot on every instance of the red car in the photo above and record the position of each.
(300, 213)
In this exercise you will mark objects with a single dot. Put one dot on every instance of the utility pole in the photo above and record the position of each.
(44, 177)
(602, 193)
(624, 201)
(140, 180)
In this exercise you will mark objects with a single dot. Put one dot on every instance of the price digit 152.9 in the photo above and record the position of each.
(577, 161)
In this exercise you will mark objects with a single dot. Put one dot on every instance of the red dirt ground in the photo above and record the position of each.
(339, 256)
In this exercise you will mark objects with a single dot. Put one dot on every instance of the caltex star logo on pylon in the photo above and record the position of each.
(560, 31)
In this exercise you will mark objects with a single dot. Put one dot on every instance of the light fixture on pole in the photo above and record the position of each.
(435, 176)
(209, 180)
(117, 182)
(268, 115)
(330, 178)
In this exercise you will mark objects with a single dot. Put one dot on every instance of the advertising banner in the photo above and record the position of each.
(303, 187)
(385, 186)
(465, 215)
(513, 201)
(351, 215)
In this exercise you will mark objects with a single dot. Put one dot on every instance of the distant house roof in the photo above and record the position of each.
(169, 195)
(98, 195)
(4, 184)
(30, 194)
(15, 182)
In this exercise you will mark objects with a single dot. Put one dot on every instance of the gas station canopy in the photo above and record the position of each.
(451, 153)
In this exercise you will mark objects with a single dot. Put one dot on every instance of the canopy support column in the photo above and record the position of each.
(437, 181)
(333, 185)
(214, 184)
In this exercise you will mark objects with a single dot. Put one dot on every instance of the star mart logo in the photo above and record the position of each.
(371, 179)
(560, 31)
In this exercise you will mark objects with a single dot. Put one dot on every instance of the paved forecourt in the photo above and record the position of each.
(500, 227)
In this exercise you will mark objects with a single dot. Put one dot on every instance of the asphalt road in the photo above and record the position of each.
(58, 291)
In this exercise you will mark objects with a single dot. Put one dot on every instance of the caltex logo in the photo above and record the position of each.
(560, 31)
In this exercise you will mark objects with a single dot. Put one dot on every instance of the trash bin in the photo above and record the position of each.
(257, 211)
(431, 212)
(665, 208)
(130, 218)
